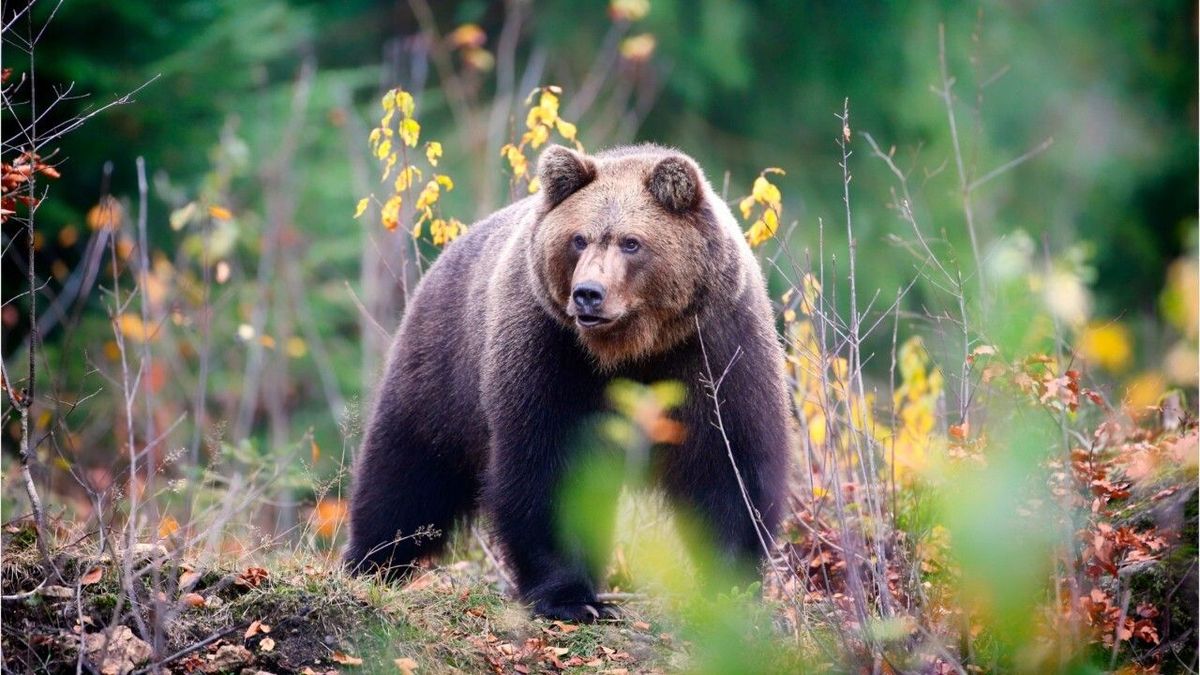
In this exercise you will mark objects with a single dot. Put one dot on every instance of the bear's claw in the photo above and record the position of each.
(577, 612)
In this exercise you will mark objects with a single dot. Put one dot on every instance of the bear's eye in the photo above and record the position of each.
(630, 245)
(579, 242)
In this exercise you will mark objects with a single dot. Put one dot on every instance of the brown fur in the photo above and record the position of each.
(493, 372)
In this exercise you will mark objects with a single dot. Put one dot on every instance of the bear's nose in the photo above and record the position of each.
(588, 296)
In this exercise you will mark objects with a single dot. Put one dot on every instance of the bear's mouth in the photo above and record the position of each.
(591, 320)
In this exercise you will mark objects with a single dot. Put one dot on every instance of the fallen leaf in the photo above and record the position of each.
(253, 577)
(345, 659)
(194, 600)
(255, 628)
(93, 576)
(188, 579)
(406, 665)
(266, 644)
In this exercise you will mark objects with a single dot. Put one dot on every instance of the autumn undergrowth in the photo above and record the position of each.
(973, 491)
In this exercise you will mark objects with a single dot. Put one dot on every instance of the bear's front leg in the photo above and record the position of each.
(730, 474)
(537, 400)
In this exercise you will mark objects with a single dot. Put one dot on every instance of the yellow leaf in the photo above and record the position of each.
(445, 182)
(107, 215)
(745, 206)
(404, 101)
(516, 159)
(538, 136)
(539, 117)
(628, 10)
(433, 151)
(638, 48)
(410, 131)
(391, 212)
(534, 185)
(766, 193)
(467, 35)
(429, 195)
(383, 149)
(362, 206)
(812, 293)
(1107, 344)
(549, 103)
(407, 177)
(167, 527)
(132, 328)
(389, 100)
(566, 129)
(295, 347)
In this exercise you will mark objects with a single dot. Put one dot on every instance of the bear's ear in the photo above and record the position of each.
(563, 172)
(675, 184)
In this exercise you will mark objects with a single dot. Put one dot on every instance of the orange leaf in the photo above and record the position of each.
(346, 659)
(255, 628)
(167, 527)
(406, 665)
(194, 600)
(329, 515)
(93, 576)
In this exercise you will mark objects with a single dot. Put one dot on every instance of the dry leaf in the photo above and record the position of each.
(188, 579)
(346, 659)
(255, 628)
(167, 527)
(93, 576)
(406, 665)
(266, 644)
(194, 600)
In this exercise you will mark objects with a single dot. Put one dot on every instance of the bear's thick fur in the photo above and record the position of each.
(511, 340)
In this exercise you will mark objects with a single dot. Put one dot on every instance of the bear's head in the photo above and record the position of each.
(628, 247)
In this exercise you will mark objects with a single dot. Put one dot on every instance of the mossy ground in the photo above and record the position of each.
(449, 619)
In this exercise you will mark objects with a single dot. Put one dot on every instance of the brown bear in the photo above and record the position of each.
(625, 265)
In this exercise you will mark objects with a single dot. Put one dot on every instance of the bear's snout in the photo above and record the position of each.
(588, 297)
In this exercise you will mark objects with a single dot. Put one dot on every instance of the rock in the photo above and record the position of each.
(118, 653)
(227, 658)
(57, 592)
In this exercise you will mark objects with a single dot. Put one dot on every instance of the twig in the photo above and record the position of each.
(963, 180)
(21, 596)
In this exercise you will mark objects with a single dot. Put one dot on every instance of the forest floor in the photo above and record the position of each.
(300, 616)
